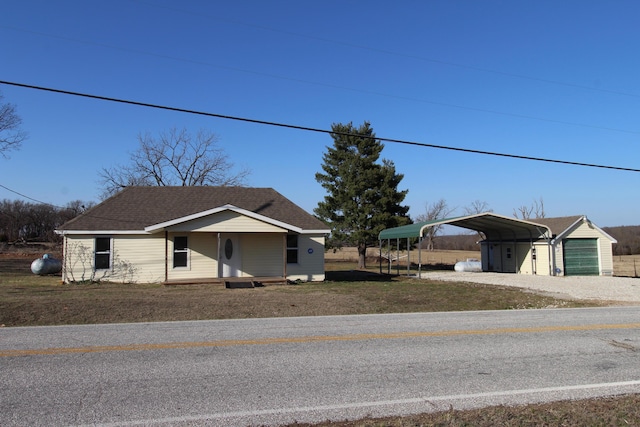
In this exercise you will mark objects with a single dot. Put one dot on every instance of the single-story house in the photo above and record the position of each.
(565, 246)
(194, 234)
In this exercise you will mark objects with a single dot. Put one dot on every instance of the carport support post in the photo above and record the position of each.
(388, 256)
(419, 257)
(380, 255)
(398, 256)
(408, 258)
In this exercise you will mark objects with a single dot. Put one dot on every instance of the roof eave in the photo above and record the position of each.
(99, 232)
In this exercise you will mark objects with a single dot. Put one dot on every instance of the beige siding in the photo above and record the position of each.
(262, 254)
(201, 258)
(141, 258)
(558, 259)
(143, 254)
(606, 256)
(528, 265)
(134, 259)
(77, 262)
(310, 266)
(543, 259)
(583, 231)
(227, 222)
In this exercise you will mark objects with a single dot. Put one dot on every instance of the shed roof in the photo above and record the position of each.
(559, 224)
(494, 227)
(136, 208)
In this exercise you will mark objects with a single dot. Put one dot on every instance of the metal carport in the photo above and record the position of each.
(496, 228)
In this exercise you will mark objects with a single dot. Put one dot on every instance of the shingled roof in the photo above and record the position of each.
(135, 208)
(559, 224)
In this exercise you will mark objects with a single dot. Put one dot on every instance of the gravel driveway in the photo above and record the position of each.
(619, 289)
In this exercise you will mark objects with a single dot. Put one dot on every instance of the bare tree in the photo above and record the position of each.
(21, 221)
(536, 210)
(476, 207)
(73, 209)
(434, 211)
(174, 158)
(11, 136)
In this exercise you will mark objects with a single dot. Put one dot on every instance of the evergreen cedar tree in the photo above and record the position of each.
(363, 197)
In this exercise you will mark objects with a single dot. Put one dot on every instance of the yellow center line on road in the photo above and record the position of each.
(310, 339)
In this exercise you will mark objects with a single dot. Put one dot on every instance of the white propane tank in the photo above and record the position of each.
(46, 265)
(470, 265)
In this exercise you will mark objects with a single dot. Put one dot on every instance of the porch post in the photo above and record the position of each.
(218, 256)
(166, 256)
(284, 255)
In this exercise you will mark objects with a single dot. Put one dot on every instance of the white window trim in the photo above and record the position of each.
(110, 252)
(296, 248)
(187, 250)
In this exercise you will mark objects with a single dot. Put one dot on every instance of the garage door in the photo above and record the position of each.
(581, 257)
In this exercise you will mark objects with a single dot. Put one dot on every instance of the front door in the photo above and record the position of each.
(229, 256)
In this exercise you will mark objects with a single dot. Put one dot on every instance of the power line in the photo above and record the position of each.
(30, 198)
(84, 210)
(350, 89)
(310, 129)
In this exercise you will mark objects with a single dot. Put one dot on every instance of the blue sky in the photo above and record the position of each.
(538, 78)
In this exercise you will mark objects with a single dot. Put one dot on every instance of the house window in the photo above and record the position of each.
(292, 248)
(102, 253)
(508, 253)
(180, 251)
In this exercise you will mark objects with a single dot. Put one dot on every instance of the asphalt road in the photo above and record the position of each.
(275, 371)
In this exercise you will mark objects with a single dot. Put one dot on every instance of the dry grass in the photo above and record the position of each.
(30, 300)
(26, 299)
(626, 265)
(613, 411)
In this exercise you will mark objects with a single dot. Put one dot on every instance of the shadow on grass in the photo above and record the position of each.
(357, 276)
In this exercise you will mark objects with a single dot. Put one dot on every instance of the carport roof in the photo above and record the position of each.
(494, 227)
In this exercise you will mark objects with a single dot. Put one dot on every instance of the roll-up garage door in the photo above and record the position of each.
(581, 257)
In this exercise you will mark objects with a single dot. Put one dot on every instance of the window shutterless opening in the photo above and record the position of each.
(180, 251)
(102, 253)
(292, 248)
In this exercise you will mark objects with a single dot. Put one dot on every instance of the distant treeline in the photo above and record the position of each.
(23, 221)
(628, 238)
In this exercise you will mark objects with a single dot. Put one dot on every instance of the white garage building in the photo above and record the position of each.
(565, 246)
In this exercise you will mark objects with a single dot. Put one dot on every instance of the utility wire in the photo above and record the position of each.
(30, 198)
(85, 211)
(317, 130)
